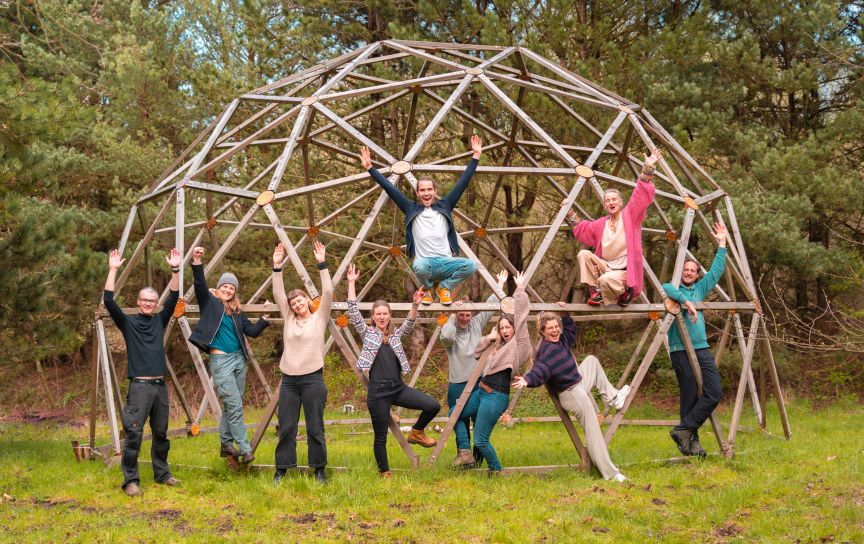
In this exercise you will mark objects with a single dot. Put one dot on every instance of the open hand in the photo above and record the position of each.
(502, 278)
(352, 274)
(365, 158)
(320, 251)
(651, 160)
(719, 233)
(115, 261)
(174, 258)
(278, 255)
(476, 145)
(519, 279)
(519, 382)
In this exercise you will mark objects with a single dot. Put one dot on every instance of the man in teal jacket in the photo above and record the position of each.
(694, 409)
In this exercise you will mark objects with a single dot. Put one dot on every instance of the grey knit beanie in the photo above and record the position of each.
(228, 278)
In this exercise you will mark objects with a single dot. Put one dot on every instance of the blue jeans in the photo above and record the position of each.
(460, 429)
(448, 272)
(485, 408)
(229, 377)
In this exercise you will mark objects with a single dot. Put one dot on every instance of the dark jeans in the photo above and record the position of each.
(384, 394)
(694, 409)
(460, 429)
(309, 392)
(145, 400)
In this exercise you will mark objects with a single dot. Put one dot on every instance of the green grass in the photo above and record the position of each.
(808, 489)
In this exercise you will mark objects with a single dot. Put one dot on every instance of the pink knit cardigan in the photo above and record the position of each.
(590, 233)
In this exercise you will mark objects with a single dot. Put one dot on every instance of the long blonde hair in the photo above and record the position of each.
(231, 306)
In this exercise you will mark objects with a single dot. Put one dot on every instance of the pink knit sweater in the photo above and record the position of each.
(590, 233)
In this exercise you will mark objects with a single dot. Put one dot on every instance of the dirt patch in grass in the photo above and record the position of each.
(43, 417)
(166, 513)
(730, 529)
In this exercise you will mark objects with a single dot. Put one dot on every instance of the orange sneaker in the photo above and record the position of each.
(427, 298)
(444, 296)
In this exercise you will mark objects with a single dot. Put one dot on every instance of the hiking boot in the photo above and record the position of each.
(132, 490)
(419, 437)
(247, 457)
(228, 450)
(444, 296)
(626, 297)
(696, 447)
(595, 298)
(463, 459)
(320, 475)
(621, 397)
(682, 438)
(171, 482)
(386, 474)
(427, 298)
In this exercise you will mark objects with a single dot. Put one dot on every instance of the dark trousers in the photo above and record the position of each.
(694, 409)
(145, 400)
(309, 392)
(384, 394)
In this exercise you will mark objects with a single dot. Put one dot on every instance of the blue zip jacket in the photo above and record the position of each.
(412, 209)
(211, 309)
(695, 293)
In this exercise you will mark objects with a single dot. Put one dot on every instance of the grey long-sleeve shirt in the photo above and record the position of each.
(460, 343)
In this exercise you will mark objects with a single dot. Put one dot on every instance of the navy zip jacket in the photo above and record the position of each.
(444, 205)
(210, 309)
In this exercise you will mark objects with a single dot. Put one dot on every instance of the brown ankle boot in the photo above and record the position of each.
(463, 459)
(419, 437)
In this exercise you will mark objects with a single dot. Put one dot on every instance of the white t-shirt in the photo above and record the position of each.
(430, 234)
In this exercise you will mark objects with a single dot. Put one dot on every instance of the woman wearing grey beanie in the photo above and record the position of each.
(221, 331)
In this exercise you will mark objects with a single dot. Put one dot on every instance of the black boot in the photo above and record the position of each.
(682, 438)
(320, 475)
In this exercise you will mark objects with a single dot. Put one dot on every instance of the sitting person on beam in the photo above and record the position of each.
(460, 336)
(143, 334)
(429, 231)
(510, 347)
(302, 367)
(554, 364)
(382, 359)
(613, 272)
(694, 410)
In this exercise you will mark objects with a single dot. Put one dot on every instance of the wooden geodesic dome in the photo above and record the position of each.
(280, 163)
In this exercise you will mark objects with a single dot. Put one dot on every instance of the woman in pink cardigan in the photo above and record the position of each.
(613, 272)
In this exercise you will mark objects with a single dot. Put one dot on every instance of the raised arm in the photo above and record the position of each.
(523, 339)
(643, 194)
(718, 265)
(392, 191)
(456, 192)
(115, 261)
(279, 282)
(408, 325)
(568, 329)
(174, 260)
(202, 294)
(354, 315)
(326, 282)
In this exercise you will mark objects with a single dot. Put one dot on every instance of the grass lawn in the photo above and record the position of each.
(808, 489)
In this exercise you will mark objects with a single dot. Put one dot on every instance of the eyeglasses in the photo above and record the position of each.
(147, 300)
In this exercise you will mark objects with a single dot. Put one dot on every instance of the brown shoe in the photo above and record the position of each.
(171, 482)
(247, 457)
(463, 459)
(419, 437)
(386, 474)
(228, 450)
(133, 490)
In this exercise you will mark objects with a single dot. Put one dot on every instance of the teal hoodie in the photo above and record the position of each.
(695, 293)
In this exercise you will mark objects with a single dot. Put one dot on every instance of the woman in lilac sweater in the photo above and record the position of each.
(613, 271)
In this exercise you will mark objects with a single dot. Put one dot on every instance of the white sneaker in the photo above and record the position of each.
(621, 397)
(619, 478)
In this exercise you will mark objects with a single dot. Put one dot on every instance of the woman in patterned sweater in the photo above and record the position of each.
(510, 347)
(383, 361)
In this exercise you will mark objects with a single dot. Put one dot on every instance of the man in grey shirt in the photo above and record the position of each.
(460, 336)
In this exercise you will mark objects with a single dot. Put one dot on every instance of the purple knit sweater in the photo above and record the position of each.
(554, 362)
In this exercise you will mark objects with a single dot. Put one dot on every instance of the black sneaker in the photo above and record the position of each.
(696, 447)
(320, 475)
(682, 438)
(626, 297)
(277, 477)
(595, 298)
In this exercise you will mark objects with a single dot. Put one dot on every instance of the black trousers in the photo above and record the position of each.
(383, 395)
(142, 401)
(309, 392)
(694, 410)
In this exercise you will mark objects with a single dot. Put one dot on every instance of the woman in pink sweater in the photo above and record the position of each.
(302, 367)
(613, 271)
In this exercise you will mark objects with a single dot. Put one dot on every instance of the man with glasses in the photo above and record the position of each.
(148, 396)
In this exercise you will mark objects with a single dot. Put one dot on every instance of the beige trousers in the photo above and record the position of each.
(595, 272)
(577, 400)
